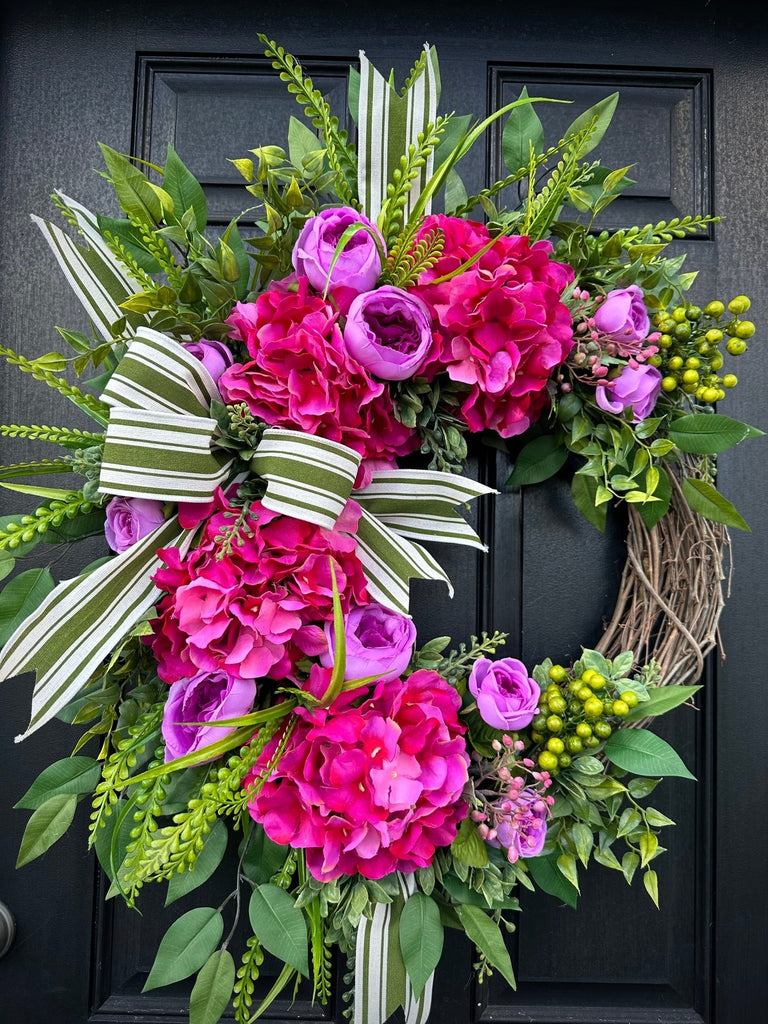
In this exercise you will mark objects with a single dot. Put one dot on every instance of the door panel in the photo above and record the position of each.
(691, 116)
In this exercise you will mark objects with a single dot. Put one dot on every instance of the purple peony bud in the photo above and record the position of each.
(214, 355)
(130, 519)
(389, 332)
(359, 263)
(379, 643)
(506, 696)
(623, 315)
(204, 697)
(636, 388)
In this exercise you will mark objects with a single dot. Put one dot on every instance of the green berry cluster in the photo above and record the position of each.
(690, 356)
(576, 713)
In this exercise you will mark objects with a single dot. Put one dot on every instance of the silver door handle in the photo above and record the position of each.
(7, 929)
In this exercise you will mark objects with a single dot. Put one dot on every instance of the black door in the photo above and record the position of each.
(693, 83)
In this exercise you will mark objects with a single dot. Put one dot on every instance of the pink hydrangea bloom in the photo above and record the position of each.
(301, 375)
(369, 789)
(245, 613)
(501, 325)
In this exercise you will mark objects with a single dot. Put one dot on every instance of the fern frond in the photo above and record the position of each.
(97, 410)
(406, 267)
(341, 152)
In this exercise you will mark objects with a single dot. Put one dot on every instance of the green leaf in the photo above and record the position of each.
(22, 596)
(46, 826)
(421, 939)
(486, 935)
(280, 926)
(538, 460)
(629, 864)
(136, 196)
(651, 512)
(584, 491)
(302, 141)
(186, 946)
(522, 132)
(7, 562)
(709, 434)
(602, 112)
(212, 989)
(70, 775)
(56, 493)
(263, 858)
(185, 190)
(468, 847)
(566, 864)
(660, 700)
(704, 499)
(651, 883)
(208, 859)
(643, 753)
(582, 840)
(550, 879)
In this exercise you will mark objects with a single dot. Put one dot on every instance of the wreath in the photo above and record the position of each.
(279, 414)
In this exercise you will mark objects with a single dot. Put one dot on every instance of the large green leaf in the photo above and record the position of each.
(708, 502)
(70, 775)
(486, 935)
(584, 491)
(209, 858)
(21, 597)
(661, 699)
(708, 435)
(134, 192)
(539, 460)
(186, 946)
(421, 939)
(7, 562)
(279, 926)
(644, 753)
(601, 113)
(212, 989)
(185, 190)
(522, 132)
(548, 877)
(468, 847)
(46, 826)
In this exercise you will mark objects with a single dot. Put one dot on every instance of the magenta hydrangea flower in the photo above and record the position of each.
(506, 696)
(203, 698)
(368, 789)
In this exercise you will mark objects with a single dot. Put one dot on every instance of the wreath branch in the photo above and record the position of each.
(674, 586)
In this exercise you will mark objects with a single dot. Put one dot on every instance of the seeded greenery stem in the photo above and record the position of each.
(246, 978)
(44, 518)
(97, 410)
(67, 436)
(411, 165)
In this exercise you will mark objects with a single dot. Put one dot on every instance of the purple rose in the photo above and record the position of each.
(379, 643)
(521, 824)
(130, 519)
(214, 355)
(359, 263)
(204, 697)
(636, 388)
(389, 332)
(506, 696)
(623, 315)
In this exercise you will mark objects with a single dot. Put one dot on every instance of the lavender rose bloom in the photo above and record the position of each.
(204, 697)
(521, 825)
(130, 519)
(389, 332)
(214, 355)
(623, 315)
(359, 264)
(636, 387)
(379, 643)
(506, 696)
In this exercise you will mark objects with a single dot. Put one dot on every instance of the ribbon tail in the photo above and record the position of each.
(381, 981)
(82, 620)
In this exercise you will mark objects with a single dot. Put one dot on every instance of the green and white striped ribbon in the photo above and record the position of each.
(387, 124)
(381, 981)
(160, 438)
(82, 620)
(97, 278)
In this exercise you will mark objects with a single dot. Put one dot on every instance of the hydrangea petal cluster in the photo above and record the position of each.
(369, 789)
(502, 327)
(244, 610)
(204, 697)
(301, 375)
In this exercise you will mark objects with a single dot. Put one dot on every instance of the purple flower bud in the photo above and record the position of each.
(636, 388)
(623, 315)
(214, 355)
(389, 332)
(506, 695)
(359, 263)
(204, 697)
(523, 830)
(379, 643)
(130, 519)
